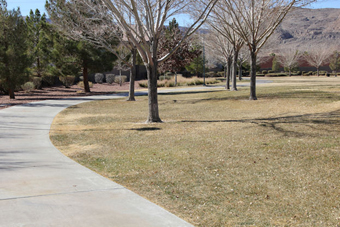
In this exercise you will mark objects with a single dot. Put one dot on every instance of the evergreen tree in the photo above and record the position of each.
(13, 49)
(335, 62)
(38, 41)
(275, 65)
(71, 57)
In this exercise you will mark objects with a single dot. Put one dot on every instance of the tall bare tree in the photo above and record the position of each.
(289, 58)
(141, 23)
(220, 47)
(255, 21)
(219, 20)
(317, 57)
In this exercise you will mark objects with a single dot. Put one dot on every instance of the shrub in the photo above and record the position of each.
(49, 79)
(120, 79)
(37, 81)
(275, 74)
(165, 77)
(110, 78)
(220, 74)
(28, 86)
(264, 71)
(67, 80)
(81, 84)
(271, 71)
(210, 74)
(143, 84)
(258, 74)
(99, 78)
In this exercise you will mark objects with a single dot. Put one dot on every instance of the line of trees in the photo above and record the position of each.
(96, 27)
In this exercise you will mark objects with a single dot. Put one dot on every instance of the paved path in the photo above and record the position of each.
(41, 187)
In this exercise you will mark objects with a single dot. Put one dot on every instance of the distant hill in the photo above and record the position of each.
(305, 27)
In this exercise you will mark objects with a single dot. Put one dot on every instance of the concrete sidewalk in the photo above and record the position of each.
(39, 186)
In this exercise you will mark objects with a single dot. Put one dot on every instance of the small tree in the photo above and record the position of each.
(184, 55)
(317, 57)
(222, 49)
(334, 63)
(289, 59)
(275, 64)
(13, 49)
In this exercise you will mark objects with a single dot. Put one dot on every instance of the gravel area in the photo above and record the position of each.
(60, 92)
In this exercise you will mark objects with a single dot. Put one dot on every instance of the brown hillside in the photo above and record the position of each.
(307, 27)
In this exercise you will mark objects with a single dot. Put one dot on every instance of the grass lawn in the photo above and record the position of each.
(219, 159)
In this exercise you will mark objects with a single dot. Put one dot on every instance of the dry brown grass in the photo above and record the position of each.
(219, 159)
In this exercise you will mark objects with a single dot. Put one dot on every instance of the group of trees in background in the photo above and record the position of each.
(85, 32)
(31, 49)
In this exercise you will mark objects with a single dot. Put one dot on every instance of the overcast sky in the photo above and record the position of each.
(26, 5)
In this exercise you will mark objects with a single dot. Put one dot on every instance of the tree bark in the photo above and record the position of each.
(152, 93)
(86, 77)
(240, 72)
(132, 76)
(227, 85)
(234, 72)
(253, 74)
(11, 93)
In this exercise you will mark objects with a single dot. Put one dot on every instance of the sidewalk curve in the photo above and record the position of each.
(39, 186)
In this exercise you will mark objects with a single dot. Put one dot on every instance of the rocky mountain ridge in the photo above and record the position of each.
(303, 28)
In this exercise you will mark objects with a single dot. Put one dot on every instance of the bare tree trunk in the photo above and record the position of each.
(86, 77)
(11, 93)
(253, 75)
(132, 76)
(240, 71)
(175, 79)
(234, 73)
(152, 94)
(227, 85)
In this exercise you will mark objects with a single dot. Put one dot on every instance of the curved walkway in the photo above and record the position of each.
(39, 186)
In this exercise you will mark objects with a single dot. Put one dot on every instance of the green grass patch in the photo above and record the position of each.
(220, 159)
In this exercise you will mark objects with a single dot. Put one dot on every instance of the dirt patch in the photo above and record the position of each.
(60, 92)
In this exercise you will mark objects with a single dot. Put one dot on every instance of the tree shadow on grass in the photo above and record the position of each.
(328, 122)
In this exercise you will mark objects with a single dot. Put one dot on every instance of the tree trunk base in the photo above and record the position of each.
(154, 121)
(233, 89)
(252, 98)
(131, 99)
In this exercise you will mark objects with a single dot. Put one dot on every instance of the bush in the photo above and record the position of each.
(210, 74)
(220, 74)
(37, 81)
(264, 71)
(49, 79)
(258, 74)
(275, 74)
(143, 84)
(165, 77)
(271, 71)
(110, 78)
(81, 84)
(28, 86)
(120, 79)
(99, 78)
(67, 80)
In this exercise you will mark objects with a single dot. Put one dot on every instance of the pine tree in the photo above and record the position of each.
(13, 49)
(71, 57)
(38, 41)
